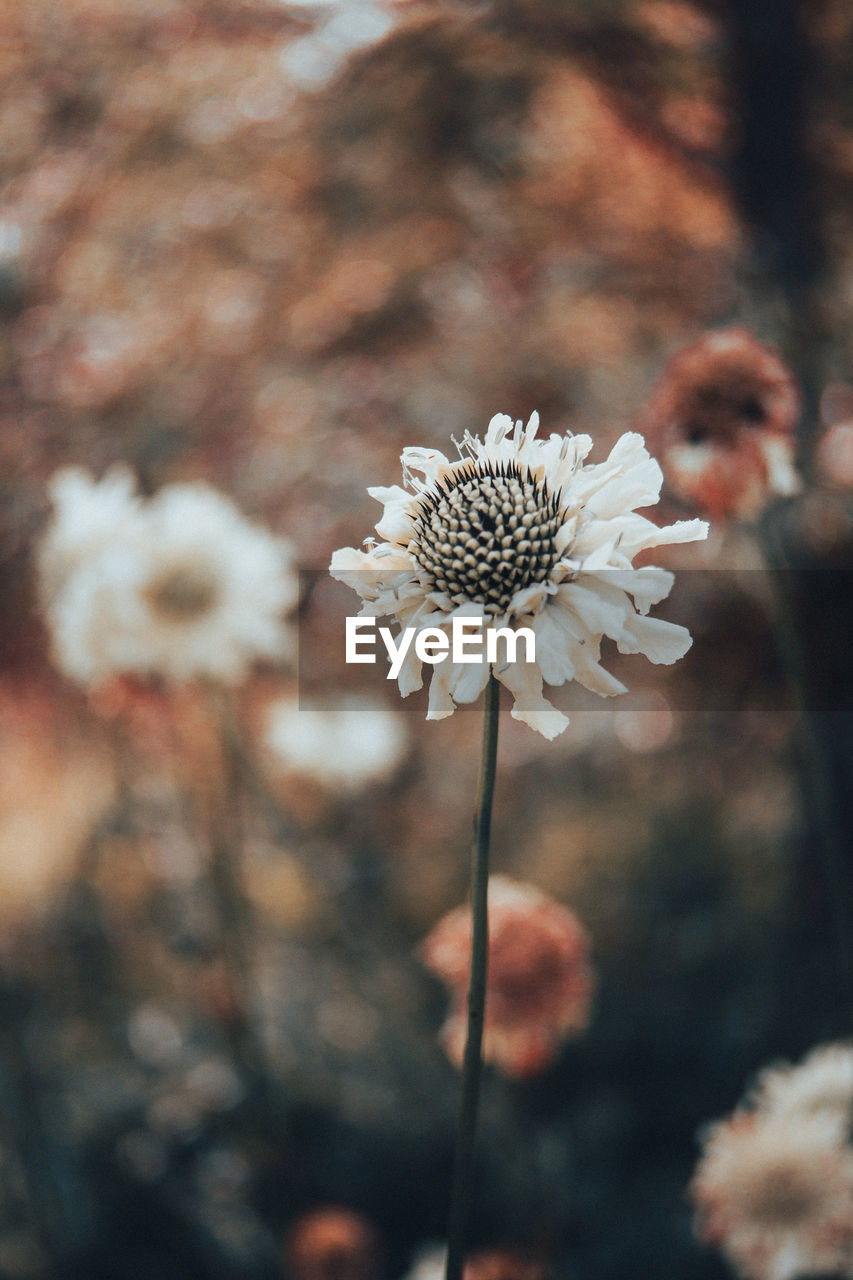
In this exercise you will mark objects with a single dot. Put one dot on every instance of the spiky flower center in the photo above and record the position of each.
(183, 593)
(485, 532)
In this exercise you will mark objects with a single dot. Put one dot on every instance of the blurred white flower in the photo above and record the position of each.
(181, 586)
(428, 1263)
(774, 1192)
(521, 532)
(87, 516)
(822, 1085)
(343, 748)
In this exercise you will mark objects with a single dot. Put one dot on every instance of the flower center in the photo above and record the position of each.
(484, 533)
(786, 1194)
(182, 593)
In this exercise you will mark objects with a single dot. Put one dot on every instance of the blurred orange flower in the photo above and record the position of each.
(721, 418)
(540, 980)
(333, 1243)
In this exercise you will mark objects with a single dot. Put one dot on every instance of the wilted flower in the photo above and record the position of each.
(540, 981)
(181, 586)
(333, 1243)
(344, 748)
(520, 532)
(822, 1085)
(774, 1191)
(722, 418)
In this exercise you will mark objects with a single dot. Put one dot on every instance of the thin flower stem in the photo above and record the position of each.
(226, 872)
(463, 1170)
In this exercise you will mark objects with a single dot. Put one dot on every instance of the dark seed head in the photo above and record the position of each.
(486, 532)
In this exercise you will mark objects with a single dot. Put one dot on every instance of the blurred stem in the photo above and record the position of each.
(24, 1128)
(224, 830)
(463, 1170)
(815, 753)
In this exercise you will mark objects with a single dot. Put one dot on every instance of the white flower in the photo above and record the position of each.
(344, 748)
(87, 515)
(182, 586)
(428, 1263)
(775, 1193)
(522, 532)
(822, 1085)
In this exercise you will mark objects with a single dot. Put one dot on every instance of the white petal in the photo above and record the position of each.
(529, 599)
(601, 611)
(660, 641)
(636, 484)
(346, 560)
(441, 705)
(782, 475)
(499, 427)
(593, 676)
(554, 647)
(681, 531)
(390, 493)
(395, 524)
(524, 681)
(431, 463)
(467, 681)
(410, 678)
(648, 585)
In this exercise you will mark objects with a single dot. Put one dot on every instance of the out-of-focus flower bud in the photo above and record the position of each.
(721, 419)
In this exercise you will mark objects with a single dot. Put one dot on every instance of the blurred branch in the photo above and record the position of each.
(774, 78)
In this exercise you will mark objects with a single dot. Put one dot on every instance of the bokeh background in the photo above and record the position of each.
(268, 245)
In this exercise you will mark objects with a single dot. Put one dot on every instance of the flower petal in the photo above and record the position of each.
(524, 681)
(659, 641)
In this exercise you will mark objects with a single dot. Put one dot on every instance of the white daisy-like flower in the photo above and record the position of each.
(822, 1085)
(775, 1193)
(87, 514)
(343, 748)
(523, 533)
(183, 586)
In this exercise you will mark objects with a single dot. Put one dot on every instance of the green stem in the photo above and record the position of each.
(226, 873)
(463, 1170)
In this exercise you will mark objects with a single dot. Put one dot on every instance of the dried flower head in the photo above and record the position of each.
(333, 1243)
(344, 748)
(775, 1193)
(181, 586)
(520, 532)
(540, 981)
(722, 419)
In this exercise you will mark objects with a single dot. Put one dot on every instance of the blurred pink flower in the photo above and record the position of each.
(540, 980)
(722, 418)
(504, 1264)
(333, 1243)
